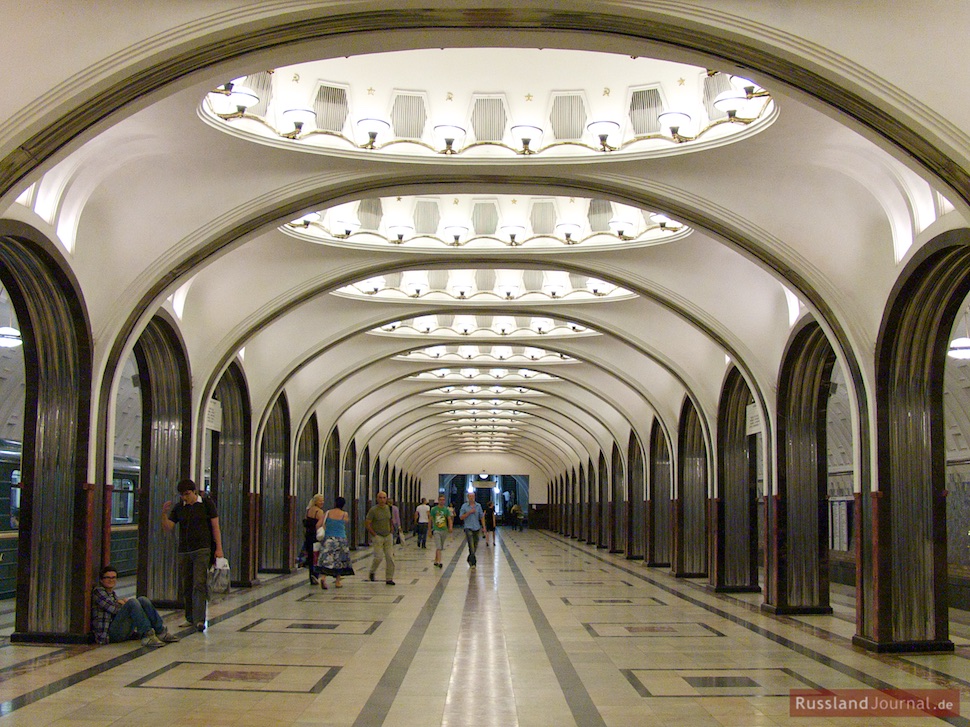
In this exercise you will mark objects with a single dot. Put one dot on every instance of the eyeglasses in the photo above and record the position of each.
(109, 578)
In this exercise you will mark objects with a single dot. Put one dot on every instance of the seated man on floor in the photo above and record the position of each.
(119, 619)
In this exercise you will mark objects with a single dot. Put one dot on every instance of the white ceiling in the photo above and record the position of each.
(156, 207)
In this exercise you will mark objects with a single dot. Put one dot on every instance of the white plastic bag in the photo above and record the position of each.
(219, 578)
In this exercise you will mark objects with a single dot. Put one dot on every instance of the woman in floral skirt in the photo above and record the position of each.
(334, 557)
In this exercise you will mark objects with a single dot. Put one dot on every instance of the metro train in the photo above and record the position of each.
(124, 514)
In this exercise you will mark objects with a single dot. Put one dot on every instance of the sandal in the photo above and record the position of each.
(338, 584)
(323, 583)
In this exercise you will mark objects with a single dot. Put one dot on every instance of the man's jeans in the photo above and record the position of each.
(194, 583)
(383, 548)
(135, 619)
(422, 534)
(471, 537)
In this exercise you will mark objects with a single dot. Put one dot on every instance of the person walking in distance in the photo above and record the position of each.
(378, 524)
(422, 514)
(312, 522)
(490, 523)
(199, 536)
(396, 522)
(441, 521)
(473, 520)
(335, 550)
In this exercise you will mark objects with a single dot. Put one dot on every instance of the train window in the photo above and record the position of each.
(123, 501)
(840, 523)
(15, 503)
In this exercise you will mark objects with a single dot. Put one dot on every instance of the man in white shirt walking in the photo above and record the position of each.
(422, 516)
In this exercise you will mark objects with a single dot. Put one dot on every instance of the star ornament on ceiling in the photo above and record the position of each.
(528, 97)
(371, 91)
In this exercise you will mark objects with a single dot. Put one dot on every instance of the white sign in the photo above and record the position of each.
(213, 415)
(753, 424)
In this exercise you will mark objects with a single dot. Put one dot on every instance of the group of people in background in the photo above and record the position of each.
(115, 619)
(325, 542)
(326, 549)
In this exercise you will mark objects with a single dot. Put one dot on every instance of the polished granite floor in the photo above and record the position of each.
(545, 631)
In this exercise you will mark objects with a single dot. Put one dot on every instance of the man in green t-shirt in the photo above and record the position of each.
(378, 524)
(441, 522)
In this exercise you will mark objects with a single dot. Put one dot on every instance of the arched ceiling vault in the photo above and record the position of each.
(571, 430)
(199, 216)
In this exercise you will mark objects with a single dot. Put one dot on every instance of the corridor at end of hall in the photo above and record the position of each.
(545, 631)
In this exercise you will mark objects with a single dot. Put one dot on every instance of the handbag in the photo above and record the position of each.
(218, 579)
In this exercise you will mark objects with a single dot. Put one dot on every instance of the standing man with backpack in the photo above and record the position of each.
(199, 535)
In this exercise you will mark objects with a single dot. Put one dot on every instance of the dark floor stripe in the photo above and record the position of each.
(580, 703)
(760, 630)
(379, 703)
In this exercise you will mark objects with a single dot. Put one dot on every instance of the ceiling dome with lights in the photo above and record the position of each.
(491, 104)
(481, 223)
(484, 286)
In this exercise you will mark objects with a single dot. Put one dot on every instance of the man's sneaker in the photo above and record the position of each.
(437, 565)
(200, 626)
(372, 577)
(390, 583)
(167, 637)
(150, 639)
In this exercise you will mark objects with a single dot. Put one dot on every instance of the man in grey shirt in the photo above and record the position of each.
(473, 521)
(378, 524)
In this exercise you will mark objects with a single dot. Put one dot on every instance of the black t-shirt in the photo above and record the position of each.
(195, 531)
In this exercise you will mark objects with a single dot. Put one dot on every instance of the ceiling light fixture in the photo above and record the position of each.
(300, 118)
(620, 228)
(567, 230)
(512, 231)
(373, 128)
(675, 121)
(602, 130)
(449, 134)
(399, 232)
(527, 134)
(730, 102)
(959, 347)
(10, 337)
(456, 232)
(242, 98)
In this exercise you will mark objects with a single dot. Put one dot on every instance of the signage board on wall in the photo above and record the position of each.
(213, 415)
